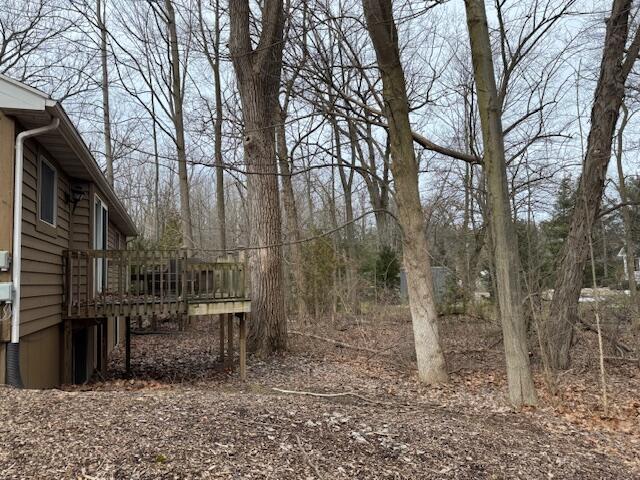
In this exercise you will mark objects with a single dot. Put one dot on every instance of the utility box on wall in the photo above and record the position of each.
(5, 261)
(6, 292)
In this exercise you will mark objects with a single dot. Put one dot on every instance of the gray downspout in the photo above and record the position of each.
(14, 378)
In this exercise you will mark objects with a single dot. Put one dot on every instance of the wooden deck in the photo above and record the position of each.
(109, 283)
(147, 284)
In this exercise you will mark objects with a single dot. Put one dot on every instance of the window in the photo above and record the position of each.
(100, 234)
(47, 195)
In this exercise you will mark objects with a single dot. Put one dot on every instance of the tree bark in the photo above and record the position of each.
(106, 114)
(220, 200)
(178, 122)
(383, 33)
(614, 69)
(504, 240)
(258, 73)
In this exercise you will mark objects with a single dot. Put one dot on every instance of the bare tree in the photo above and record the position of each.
(177, 92)
(214, 60)
(258, 71)
(140, 64)
(384, 36)
(106, 113)
(614, 69)
(504, 240)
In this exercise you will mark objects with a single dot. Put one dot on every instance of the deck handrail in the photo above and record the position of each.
(103, 283)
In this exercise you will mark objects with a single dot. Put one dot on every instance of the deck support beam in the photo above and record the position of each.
(230, 339)
(127, 341)
(221, 320)
(104, 347)
(242, 345)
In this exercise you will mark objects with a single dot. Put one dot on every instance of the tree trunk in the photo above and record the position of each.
(156, 163)
(627, 222)
(106, 115)
(505, 246)
(383, 33)
(614, 69)
(214, 63)
(258, 74)
(220, 201)
(178, 122)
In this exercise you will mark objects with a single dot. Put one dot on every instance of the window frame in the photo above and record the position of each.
(104, 264)
(43, 225)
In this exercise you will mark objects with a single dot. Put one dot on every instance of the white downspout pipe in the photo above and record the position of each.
(13, 357)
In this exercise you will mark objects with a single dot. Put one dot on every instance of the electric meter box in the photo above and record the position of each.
(6, 292)
(5, 261)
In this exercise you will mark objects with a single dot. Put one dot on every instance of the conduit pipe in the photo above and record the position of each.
(14, 377)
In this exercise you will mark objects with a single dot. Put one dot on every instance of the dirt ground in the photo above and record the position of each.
(183, 415)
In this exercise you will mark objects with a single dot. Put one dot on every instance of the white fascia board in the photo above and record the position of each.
(17, 95)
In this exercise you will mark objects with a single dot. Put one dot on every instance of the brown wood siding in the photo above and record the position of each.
(80, 238)
(39, 358)
(42, 267)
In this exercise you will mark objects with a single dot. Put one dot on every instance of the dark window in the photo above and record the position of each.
(47, 193)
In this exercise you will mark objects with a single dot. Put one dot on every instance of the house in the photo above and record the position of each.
(67, 203)
(636, 270)
(69, 286)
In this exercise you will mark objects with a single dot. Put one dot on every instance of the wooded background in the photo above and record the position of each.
(340, 140)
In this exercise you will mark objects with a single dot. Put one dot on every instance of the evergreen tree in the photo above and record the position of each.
(556, 229)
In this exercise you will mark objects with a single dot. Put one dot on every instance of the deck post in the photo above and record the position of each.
(230, 339)
(104, 347)
(127, 354)
(221, 320)
(242, 344)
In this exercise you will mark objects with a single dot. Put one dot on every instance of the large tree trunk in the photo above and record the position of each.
(106, 114)
(630, 262)
(614, 69)
(291, 214)
(383, 33)
(258, 73)
(505, 244)
(178, 122)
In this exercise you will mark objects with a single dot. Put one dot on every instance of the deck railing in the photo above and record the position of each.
(105, 283)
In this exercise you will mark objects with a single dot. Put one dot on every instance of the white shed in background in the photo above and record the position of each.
(636, 270)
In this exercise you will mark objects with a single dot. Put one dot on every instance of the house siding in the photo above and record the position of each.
(42, 268)
(42, 277)
(80, 237)
(40, 360)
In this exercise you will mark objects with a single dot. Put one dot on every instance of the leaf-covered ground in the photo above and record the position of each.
(183, 415)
